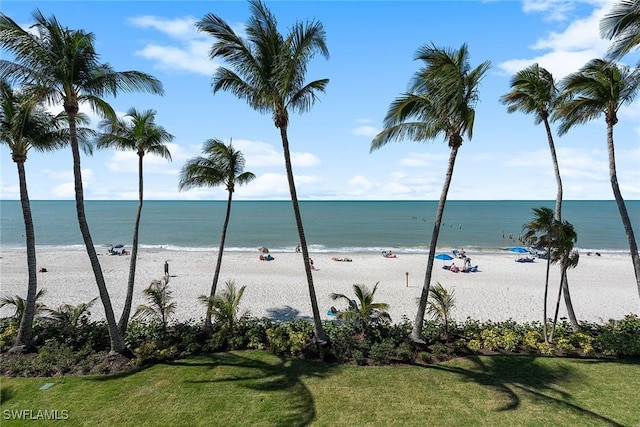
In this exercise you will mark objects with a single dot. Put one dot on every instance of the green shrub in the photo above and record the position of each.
(546, 349)
(490, 339)
(532, 339)
(474, 345)
(382, 352)
(7, 337)
(565, 345)
(405, 353)
(509, 340)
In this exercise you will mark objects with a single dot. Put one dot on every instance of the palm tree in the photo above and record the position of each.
(20, 306)
(362, 310)
(137, 132)
(441, 101)
(161, 305)
(542, 230)
(69, 317)
(565, 254)
(622, 26)
(440, 305)
(599, 87)
(222, 165)
(64, 65)
(25, 125)
(268, 71)
(225, 306)
(535, 91)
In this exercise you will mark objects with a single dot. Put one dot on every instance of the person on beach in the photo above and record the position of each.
(454, 268)
(311, 264)
(298, 249)
(166, 268)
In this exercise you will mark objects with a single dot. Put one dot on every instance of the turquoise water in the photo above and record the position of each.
(405, 226)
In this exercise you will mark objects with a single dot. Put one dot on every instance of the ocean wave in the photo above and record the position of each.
(313, 248)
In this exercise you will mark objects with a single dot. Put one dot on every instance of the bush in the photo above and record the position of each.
(532, 339)
(405, 353)
(382, 352)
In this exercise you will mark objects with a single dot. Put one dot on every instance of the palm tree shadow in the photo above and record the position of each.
(284, 313)
(283, 375)
(510, 376)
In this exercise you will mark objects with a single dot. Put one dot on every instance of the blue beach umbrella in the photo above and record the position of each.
(444, 257)
(519, 250)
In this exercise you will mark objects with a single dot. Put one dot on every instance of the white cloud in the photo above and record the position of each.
(568, 50)
(191, 51)
(193, 56)
(304, 160)
(183, 28)
(368, 131)
(259, 154)
(420, 160)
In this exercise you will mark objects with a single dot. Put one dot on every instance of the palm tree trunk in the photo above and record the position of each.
(126, 311)
(24, 340)
(556, 170)
(216, 275)
(416, 333)
(116, 340)
(320, 335)
(546, 295)
(558, 216)
(563, 277)
(567, 301)
(622, 208)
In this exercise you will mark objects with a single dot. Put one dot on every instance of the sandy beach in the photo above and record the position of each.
(602, 287)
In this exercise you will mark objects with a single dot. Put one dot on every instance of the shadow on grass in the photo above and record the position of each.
(508, 375)
(277, 374)
(6, 393)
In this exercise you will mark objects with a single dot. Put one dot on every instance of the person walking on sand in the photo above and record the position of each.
(311, 264)
(166, 268)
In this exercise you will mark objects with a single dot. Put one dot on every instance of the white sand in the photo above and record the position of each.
(601, 287)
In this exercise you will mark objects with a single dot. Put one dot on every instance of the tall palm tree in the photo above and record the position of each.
(534, 91)
(65, 66)
(25, 125)
(268, 71)
(568, 257)
(599, 87)
(440, 102)
(136, 132)
(222, 165)
(622, 26)
(543, 230)
(362, 310)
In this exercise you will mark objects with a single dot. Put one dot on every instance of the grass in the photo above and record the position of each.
(252, 388)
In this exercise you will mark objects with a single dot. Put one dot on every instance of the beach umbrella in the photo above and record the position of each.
(519, 250)
(444, 257)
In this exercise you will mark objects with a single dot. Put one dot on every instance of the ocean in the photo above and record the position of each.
(330, 226)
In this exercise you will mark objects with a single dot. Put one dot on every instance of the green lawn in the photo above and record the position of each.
(259, 389)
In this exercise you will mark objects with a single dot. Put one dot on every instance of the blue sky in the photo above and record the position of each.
(372, 46)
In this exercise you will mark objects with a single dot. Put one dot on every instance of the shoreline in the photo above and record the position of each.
(602, 287)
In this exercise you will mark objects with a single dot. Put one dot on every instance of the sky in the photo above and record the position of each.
(372, 45)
